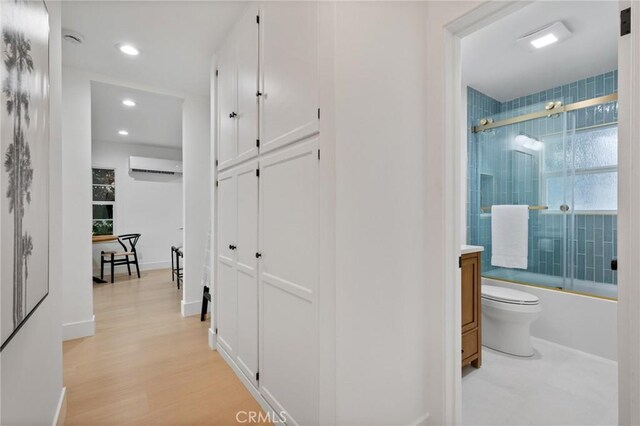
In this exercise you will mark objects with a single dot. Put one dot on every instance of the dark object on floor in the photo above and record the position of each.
(176, 270)
(206, 298)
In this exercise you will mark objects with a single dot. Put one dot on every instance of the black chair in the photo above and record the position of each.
(176, 270)
(117, 258)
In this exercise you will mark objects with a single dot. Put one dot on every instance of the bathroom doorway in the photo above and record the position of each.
(540, 90)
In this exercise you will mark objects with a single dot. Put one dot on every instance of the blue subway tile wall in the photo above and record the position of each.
(500, 173)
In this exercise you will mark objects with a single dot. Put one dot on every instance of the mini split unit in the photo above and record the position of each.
(155, 165)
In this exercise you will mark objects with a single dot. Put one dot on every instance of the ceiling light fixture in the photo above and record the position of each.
(546, 36)
(128, 102)
(128, 49)
(544, 41)
(123, 132)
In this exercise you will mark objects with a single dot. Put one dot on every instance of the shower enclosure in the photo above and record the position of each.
(560, 158)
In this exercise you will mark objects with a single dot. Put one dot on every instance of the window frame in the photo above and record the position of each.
(582, 172)
(104, 203)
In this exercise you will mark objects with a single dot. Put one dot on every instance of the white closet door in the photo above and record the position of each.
(227, 105)
(246, 269)
(227, 288)
(289, 281)
(289, 68)
(247, 39)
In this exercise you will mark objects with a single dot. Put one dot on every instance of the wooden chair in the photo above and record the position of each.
(117, 258)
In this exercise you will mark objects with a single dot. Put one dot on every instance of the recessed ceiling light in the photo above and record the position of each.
(128, 102)
(544, 41)
(128, 49)
(545, 36)
(123, 132)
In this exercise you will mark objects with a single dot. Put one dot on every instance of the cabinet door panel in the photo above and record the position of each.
(289, 69)
(247, 39)
(227, 288)
(227, 80)
(289, 281)
(246, 267)
(470, 286)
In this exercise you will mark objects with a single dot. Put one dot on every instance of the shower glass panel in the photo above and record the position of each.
(565, 169)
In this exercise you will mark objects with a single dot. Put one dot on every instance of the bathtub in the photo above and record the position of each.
(585, 323)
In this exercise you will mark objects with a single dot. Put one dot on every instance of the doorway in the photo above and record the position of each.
(568, 223)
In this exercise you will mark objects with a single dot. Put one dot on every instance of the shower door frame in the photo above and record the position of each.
(452, 125)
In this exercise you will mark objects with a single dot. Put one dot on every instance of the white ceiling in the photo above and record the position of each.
(155, 120)
(176, 39)
(494, 64)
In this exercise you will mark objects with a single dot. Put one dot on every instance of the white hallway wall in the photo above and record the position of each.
(196, 155)
(380, 105)
(78, 319)
(148, 204)
(31, 364)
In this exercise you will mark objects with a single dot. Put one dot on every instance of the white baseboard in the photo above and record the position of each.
(190, 308)
(213, 340)
(76, 330)
(273, 415)
(61, 410)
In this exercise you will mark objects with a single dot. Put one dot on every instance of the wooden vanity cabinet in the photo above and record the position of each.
(471, 309)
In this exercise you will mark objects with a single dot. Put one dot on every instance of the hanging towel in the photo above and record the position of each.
(509, 236)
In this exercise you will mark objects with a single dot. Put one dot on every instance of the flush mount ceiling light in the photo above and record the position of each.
(123, 132)
(546, 36)
(128, 102)
(128, 49)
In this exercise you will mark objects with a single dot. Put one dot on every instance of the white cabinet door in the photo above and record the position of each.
(246, 269)
(246, 34)
(227, 287)
(289, 69)
(289, 281)
(227, 105)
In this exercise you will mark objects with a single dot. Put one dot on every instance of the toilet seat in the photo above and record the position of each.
(508, 295)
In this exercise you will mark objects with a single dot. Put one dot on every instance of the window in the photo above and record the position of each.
(104, 196)
(594, 155)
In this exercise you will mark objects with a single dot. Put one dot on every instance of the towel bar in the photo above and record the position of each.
(488, 208)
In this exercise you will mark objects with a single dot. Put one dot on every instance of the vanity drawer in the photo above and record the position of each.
(469, 346)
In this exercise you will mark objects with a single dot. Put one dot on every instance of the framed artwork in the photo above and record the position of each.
(24, 172)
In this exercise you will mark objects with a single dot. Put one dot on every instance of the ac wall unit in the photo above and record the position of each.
(155, 165)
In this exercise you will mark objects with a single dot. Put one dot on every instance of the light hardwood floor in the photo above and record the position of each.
(146, 364)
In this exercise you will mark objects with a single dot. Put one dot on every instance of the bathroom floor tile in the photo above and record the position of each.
(557, 386)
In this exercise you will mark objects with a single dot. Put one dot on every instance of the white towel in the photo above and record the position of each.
(509, 236)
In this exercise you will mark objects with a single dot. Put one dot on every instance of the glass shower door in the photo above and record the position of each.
(563, 165)
(526, 163)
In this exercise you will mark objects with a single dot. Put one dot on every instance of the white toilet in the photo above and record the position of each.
(507, 315)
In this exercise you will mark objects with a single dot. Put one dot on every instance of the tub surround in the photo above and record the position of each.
(504, 179)
(583, 323)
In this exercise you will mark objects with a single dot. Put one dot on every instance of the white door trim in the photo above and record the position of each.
(628, 224)
(629, 206)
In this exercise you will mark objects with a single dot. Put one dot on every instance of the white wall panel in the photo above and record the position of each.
(247, 41)
(289, 281)
(227, 105)
(246, 269)
(227, 288)
(289, 68)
